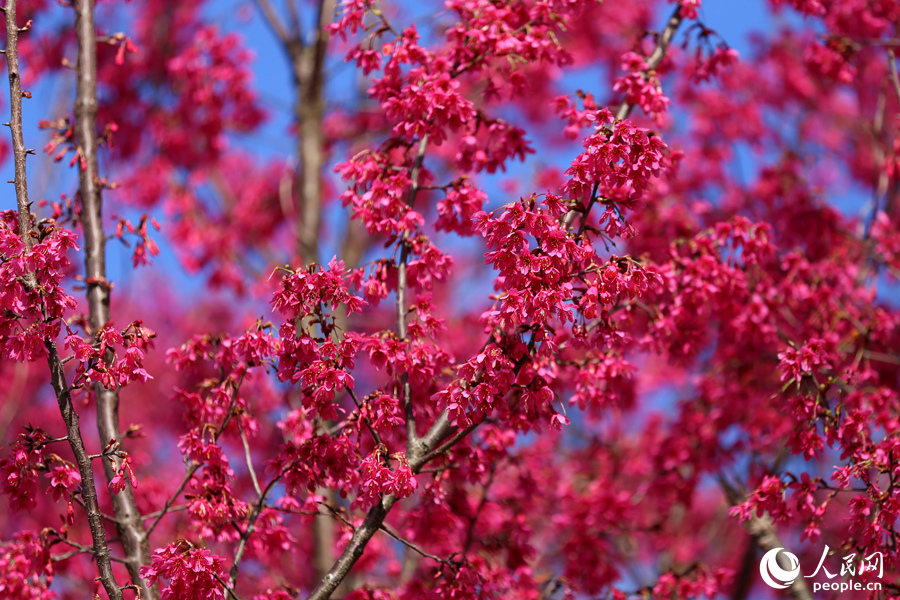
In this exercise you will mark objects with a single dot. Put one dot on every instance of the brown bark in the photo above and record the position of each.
(100, 548)
(128, 519)
(15, 122)
(307, 64)
(308, 61)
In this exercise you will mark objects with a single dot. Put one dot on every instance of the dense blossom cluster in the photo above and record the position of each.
(190, 573)
(619, 158)
(641, 87)
(31, 288)
(569, 343)
(25, 569)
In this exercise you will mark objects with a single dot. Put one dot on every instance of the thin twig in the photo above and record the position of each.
(368, 423)
(251, 527)
(336, 514)
(894, 78)
(225, 585)
(249, 459)
(80, 502)
(413, 547)
(274, 23)
(473, 521)
(172, 509)
(446, 446)
(80, 548)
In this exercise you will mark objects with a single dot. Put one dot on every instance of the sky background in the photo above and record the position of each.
(735, 21)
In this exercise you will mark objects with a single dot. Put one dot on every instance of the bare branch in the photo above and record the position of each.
(15, 125)
(251, 527)
(80, 502)
(88, 491)
(413, 547)
(272, 19)
(129, 522)
(227, 588)
(353, 550)
(308, 62)
(894, 79)
(249, 460)
(446, 446)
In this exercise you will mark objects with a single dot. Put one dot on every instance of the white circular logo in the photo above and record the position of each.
(773, 574)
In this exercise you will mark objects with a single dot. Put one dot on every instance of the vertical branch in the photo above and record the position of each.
(307, 65)
(88, 489)
(57, 373)
(412, 439)
(128, 518)
(308, 61)
(15, 122)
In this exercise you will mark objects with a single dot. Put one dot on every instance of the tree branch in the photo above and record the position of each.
(308, 63)
(354, 549)
(251, 527)
(272, 19)
(100, 549)
(249, 460)
(892, 63)
(376, 515)
(764, 533)
(625, 108)
(656, 57)
(88, 490)
(412, 439)
(129, 522)
(15, 126)
(413, 547)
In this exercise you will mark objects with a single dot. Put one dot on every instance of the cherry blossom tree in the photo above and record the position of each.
(549, 299)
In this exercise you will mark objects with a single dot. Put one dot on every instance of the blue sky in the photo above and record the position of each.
(735, 21)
